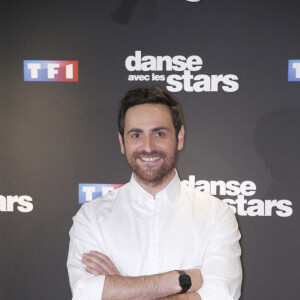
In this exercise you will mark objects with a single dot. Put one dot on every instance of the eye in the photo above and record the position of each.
(136, 135)
(160, 134)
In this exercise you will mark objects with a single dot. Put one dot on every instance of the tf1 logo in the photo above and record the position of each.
(294, 70)
(50, 70)
(91, 191)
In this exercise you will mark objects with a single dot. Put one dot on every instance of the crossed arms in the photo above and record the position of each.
(160, 286)
(95, 276)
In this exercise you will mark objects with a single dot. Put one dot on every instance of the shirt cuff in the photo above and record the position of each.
(89, 288)
(213, 292)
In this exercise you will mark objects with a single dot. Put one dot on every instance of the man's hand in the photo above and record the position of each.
(159, 286)
(99, 264)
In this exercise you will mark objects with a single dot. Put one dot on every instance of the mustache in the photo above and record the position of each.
(152, 154)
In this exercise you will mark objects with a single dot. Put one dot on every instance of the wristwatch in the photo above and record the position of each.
(184, 281)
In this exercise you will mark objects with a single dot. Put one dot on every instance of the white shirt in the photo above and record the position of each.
(180, 229)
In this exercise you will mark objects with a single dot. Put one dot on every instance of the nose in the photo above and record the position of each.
(149, 144)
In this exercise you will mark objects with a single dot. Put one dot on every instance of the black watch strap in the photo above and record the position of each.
(184, 281)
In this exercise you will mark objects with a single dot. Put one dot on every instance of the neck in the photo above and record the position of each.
(154, 188)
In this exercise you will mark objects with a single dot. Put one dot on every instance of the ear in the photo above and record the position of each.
(121, 143)
(180, 138)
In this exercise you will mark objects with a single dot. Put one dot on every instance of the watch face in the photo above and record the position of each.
(185, 281)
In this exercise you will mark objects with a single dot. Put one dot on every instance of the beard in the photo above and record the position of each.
(149, 173)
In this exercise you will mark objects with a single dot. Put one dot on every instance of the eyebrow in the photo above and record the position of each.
(153, 130)
(135, 130)
(160, 128)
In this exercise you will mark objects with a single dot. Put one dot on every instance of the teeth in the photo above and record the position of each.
(149, 158)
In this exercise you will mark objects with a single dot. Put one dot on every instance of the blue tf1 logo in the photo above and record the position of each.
(294, 70)
(91, 191)
(51, 70)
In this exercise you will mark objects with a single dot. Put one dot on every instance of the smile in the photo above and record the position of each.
(149, 158)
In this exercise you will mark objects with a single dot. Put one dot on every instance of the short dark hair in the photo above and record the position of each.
(149, 96)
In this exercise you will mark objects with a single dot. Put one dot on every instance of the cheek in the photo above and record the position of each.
(170, 147)
(130, 149)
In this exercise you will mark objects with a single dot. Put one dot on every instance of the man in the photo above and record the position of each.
(154, 238)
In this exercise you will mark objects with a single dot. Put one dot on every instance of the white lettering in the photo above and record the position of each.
(179, 62)
(202, 84)
(2, 203)
(89, 190)
(230, 83)
(242, 206)
(269, 204)
(187, 77)
(240, 201)
(25, 204)
(9, 203)
(175, 83)
(34, 67)
(11, 200)
(149, 63)
(133, 63)
(215, 80)
(256, 208)
(284, 208)
(178, 82)
(69, 71)
(160, 63)
(233, 188)
(248, 188)
(157, 77)
(194, 63)
(52, 70)
(296, 66)
(203, 186)
(139, 77)
(218, 187)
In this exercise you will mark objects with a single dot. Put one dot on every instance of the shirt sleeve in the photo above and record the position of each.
(83, 238)
(221, 270)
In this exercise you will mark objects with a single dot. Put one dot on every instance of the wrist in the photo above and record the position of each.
(196, 278)
(185, 281)
(176, 288)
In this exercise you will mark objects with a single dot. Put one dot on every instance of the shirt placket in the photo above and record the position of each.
(154, 257)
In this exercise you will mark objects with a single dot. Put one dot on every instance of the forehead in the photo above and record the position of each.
(148, 116)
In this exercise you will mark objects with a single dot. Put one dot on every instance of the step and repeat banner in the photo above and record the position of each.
(234, 66)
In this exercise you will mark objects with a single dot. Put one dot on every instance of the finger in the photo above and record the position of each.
(99, 255)
(93, 271)
(93, 261)
(90, 264)
(99, 265)
(104, 260)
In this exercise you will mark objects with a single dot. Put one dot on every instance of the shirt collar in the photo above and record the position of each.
(171, 191)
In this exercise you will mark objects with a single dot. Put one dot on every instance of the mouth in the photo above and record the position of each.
(149, 159)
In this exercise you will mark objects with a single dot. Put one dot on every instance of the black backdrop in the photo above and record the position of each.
(55, 135)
